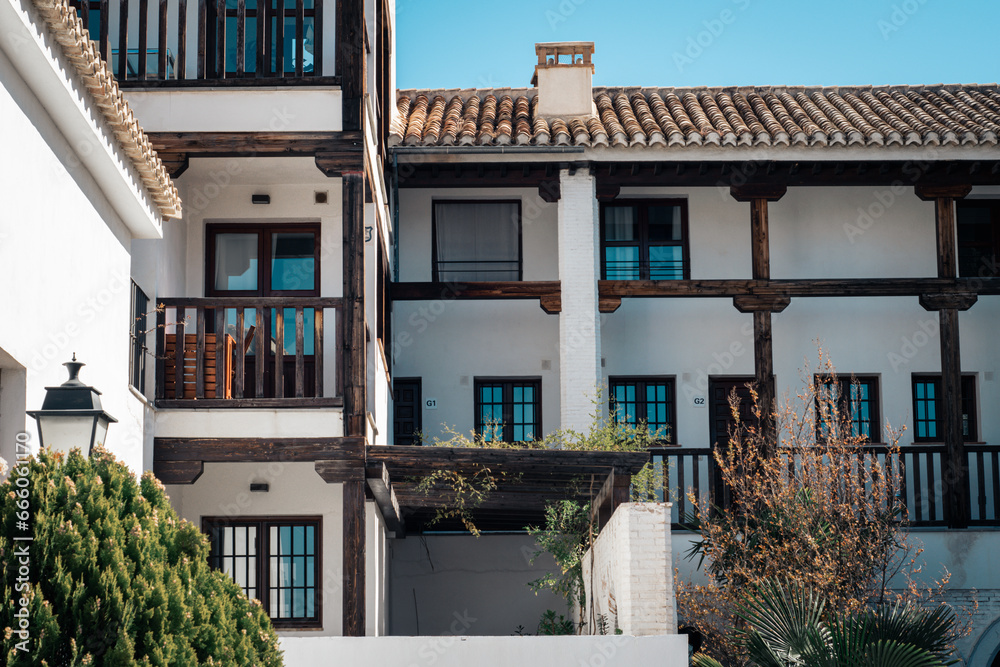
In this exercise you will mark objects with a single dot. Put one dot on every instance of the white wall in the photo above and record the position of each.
(628, 573)
(448, 343)
(64, 262)
(538, 229)
(223, 490)
(459, 651)
(439, 579)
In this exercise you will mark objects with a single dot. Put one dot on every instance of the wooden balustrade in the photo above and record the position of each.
(690, 471)
(236, 39)
(246, 352)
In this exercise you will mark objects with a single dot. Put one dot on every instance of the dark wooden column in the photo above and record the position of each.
(350, 65)
(355, 344)
(354, 558)
(956, 468)
(763, 358)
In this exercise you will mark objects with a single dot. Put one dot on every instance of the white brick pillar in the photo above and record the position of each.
(628, 574)
(579, 321)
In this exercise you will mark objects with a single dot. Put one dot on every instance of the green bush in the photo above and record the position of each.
(116, 578)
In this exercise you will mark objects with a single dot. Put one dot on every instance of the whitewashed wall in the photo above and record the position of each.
(449, 343)
(457, 651)
(463, 585)
(628, 573)
(64, 261)
(295, 489)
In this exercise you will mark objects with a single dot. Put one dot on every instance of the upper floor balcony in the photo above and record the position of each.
(213, 42)
(248, 352)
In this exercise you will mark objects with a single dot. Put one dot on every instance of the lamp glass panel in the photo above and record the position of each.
(63, 433)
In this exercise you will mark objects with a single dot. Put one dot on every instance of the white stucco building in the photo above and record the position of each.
(357, 269)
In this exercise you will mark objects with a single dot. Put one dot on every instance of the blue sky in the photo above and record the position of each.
(476, 43)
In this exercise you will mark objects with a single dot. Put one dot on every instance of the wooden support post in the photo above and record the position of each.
(955, 468)
(613, 493)
(759, 196)
(350, 61)
(354, 558)
(355, 365)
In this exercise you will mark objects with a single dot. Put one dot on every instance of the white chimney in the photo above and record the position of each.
(563, 76)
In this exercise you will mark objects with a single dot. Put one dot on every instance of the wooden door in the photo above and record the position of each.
(722, 422)
(407, 410)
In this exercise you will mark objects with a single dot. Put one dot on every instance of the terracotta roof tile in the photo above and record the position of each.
(84, 56)
(675, 118)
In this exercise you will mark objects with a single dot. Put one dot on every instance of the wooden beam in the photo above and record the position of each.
(354, 354)
(804, 287)
(766, 303)
(354, 559)
(227, 144)
(338, 471)
(775, 175)
(310, 402)
(957, 301)
(384, 494)
(956, 465)
(413, 459)
(257, 449)
(551, 304)
(548, 292)
(549, 190)
(607, 191)
(178, 472)
(932, 191)
(751, 191)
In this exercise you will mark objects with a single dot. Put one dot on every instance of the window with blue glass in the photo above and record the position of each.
(648, 400)
(645, 240)
(508, 410)
(276, 561)
(847, 407)
(273, 260)
(928, 409)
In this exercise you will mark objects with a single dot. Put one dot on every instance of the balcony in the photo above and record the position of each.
(216, 42)
(694, 471)
(252, 352)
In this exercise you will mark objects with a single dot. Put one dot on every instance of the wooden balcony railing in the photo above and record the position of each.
(925, 478)
(248, 352)
(148, 42)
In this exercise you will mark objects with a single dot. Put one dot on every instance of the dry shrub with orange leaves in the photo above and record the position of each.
(805, 498)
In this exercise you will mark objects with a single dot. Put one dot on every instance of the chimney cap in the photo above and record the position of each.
(549, 53)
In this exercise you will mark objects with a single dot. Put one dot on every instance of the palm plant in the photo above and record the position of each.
(785, 627)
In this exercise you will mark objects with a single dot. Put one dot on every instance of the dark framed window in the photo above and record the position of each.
(857, 399)
(137, 339)
(275, 560)
(645, 399)
(645, 240)
(928, 409)
(509, 409)
(978, 223)
(233, 264)
(476, 240)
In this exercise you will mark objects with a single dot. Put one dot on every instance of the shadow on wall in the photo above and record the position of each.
(462, 585)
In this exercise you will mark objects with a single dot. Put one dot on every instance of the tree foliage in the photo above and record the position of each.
(809, 501)
(116, 578)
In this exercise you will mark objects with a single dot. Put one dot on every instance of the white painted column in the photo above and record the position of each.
(579, 321)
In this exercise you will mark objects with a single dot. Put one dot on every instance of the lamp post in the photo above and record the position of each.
(71, 415)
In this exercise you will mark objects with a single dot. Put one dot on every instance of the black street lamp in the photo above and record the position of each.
(71, 415)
